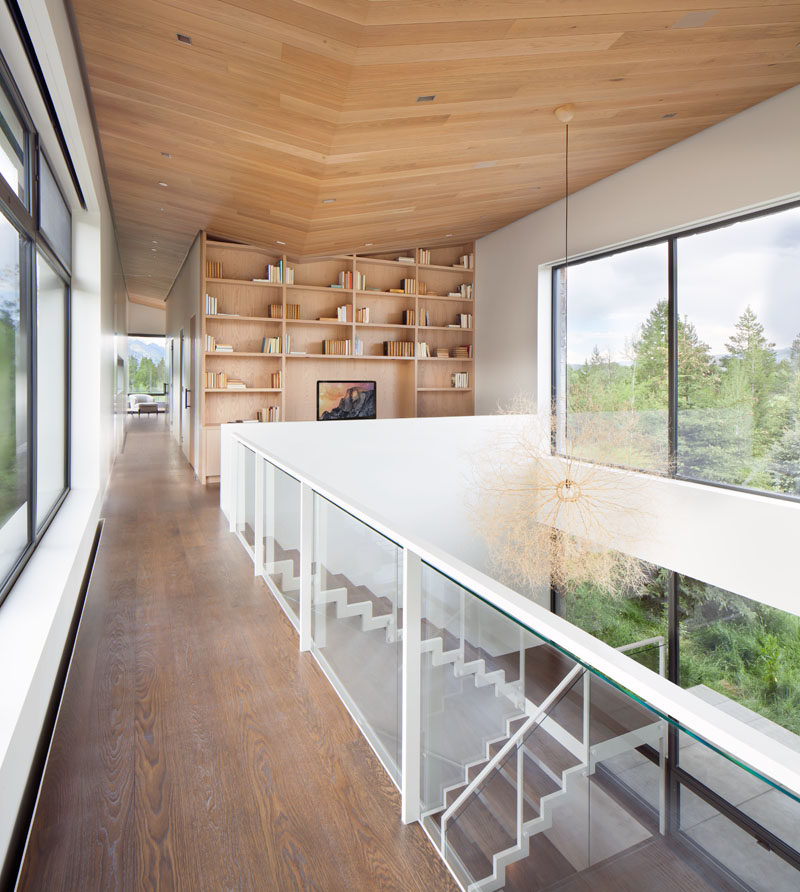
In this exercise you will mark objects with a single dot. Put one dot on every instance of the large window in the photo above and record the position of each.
(683, 357)
(34, 339)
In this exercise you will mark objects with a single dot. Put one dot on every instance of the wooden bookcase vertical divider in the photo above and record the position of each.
(429, 303)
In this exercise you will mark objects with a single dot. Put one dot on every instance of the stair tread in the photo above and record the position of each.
(475, 835)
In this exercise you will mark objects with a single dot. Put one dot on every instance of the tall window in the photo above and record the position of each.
(726, 408)
(34, 337)
(147, 369)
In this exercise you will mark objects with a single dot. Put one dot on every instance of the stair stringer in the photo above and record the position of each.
(543, 821)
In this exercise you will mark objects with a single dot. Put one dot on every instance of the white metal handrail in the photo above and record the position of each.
(513, 741)
(656, 639)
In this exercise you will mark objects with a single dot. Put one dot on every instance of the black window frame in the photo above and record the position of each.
(24, 218)
(671, 241)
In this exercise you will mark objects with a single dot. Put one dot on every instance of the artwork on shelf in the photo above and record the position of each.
(339, 400)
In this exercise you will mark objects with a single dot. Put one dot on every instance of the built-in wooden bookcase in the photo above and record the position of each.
(333, 318)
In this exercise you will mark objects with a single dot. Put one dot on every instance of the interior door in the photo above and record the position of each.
(190, 401)
(181, 395)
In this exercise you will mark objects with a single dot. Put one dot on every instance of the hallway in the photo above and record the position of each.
(195, 747)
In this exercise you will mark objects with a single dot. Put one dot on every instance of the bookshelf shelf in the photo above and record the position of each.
(229, 317)
(328, 289)
(447, 269)
(234, 390)
(217, 353)
(255, 312)
(244, 282)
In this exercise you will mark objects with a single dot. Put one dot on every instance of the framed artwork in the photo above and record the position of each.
(341, 400)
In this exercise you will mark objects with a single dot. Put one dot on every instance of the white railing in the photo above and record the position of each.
(741, 743)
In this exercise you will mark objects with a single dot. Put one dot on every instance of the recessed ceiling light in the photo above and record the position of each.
(449, 235)
(154, 249)
(161, 210)
(328, 200)
(670, 115)
(368, 244)
(163, 184)
(426, 98)
(184, 38)
(280, 243)
(166, 155)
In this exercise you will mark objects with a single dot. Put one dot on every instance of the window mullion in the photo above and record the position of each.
(672, 356)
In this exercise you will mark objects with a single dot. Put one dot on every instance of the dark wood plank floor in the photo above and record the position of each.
(195, 747)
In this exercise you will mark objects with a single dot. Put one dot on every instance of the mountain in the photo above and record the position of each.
(140, 349)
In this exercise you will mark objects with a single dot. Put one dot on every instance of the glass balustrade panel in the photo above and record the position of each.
(357, 615)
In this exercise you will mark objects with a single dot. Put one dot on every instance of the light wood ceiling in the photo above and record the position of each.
(278, 105)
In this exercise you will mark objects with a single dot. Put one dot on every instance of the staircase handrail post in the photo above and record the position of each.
(306, 564)
(411, 755)
(259, 524)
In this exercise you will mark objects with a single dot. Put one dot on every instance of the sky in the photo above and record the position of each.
(755, 262)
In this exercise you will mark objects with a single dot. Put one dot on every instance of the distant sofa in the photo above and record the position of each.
(137, 399)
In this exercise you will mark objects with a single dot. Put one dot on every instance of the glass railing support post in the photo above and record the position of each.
(306, 563)
(587, 721)
(258, 531)
(411, 687)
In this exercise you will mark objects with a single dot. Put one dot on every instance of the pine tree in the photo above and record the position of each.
(750, 371)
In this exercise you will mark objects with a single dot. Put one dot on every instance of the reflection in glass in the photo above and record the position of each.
(613, 362)
(356, 621)
(12, 147)
(51, 374)
(739, 354)
(13, 402)
(742, 656)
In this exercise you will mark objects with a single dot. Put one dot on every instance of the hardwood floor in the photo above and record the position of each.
(195, 747)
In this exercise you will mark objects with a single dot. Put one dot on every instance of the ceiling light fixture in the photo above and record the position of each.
(164, 185)
(328, 200)
(279, 242)
(368, 244)
(184, 38)
(426, 98)
(449, 235)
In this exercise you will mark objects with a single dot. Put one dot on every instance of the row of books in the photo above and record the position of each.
(463, 290)
(337, 347)
(278, 274)
(276, 380)
(213, 269)
(275, 311)
(212, 346)
(211, 305)
(405, 259)
(399, 348)
(346, 280)
(223, 381)
(460, 380)
(463, 320)
(466, 260)
(423, 255)
(410, 317)
(269, 413)
(273, 344)
(462, 352)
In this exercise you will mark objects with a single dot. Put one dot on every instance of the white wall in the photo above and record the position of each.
(146, 320)
(35, 617)
(747, 162)
(183, 302)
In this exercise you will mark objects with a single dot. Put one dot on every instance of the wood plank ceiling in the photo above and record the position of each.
(277, 106)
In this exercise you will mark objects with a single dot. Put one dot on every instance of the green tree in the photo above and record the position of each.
(750, 373)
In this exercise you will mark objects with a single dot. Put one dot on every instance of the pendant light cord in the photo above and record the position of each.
(566, 202)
